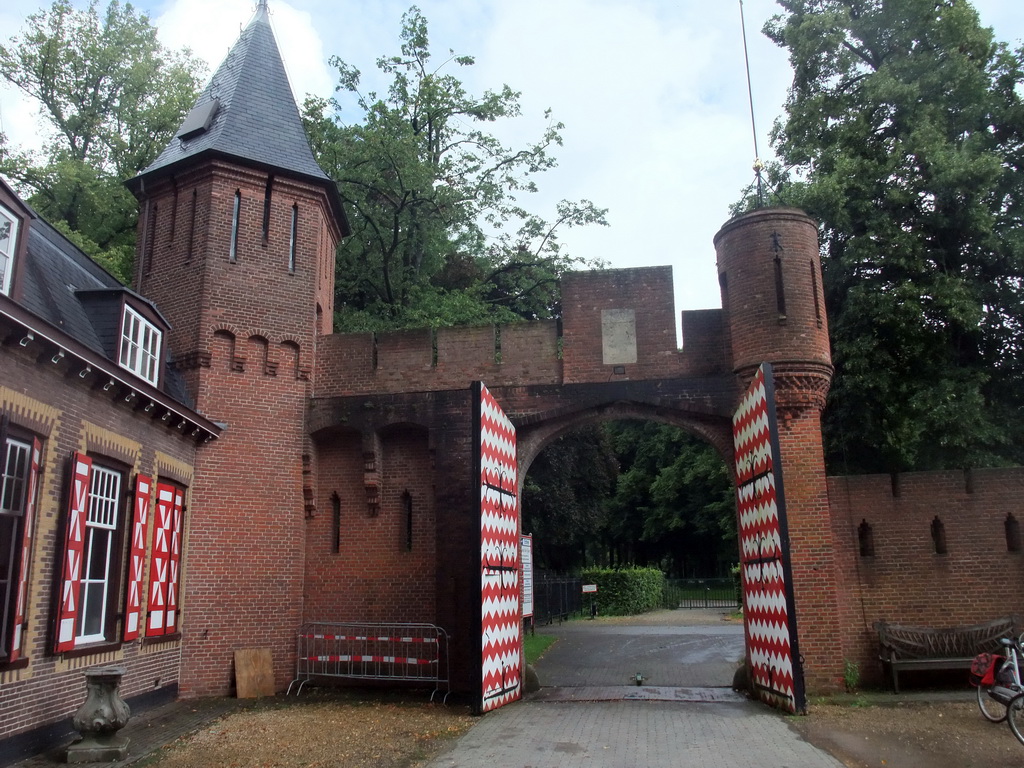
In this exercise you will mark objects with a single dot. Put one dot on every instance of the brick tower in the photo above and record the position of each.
(770, 274)
(236, 245)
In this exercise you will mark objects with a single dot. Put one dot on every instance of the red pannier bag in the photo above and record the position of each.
(984, 668)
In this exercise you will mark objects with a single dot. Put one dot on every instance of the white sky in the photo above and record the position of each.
(652, 93)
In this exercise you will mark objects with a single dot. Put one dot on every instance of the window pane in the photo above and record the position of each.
(6, 234)
(99, 541)
(9, 541)
(8, 241)
(15, 474)
(92, 610)
(140, 346)
(100, 560)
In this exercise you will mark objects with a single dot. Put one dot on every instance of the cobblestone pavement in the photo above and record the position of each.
(685, 714)
(627, 734)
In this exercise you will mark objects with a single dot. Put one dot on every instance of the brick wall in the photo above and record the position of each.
(534, 354)
(374, 574)
(905, 580)
(69, 413)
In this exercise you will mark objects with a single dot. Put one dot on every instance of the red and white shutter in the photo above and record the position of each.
(74, 550)
(501, 623)
(174, 570)
(137, 558)
(159, 564)
(28, 523)
(769, 618)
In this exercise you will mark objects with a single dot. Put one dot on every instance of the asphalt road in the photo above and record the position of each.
(590, 653)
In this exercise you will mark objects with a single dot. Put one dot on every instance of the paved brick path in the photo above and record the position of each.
(632, 734)
(586, 716)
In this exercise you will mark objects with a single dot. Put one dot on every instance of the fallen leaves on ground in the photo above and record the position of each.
(950, 734)
(320, 734)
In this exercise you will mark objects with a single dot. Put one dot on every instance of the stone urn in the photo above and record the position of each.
(99, 719)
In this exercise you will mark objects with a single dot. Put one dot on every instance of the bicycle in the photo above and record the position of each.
(1002, 685)
(1015, 713)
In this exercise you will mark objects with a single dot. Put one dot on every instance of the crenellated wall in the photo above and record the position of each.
(637, 341)
(900, 577)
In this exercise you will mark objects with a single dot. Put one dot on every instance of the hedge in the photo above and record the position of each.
(624, 592)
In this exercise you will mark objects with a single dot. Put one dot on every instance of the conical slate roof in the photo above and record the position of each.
(247, 113)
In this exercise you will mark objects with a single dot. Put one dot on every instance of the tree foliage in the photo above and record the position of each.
(440, 234)
(110, 98)
(673, 505)
(904, 130)
(631, 493)
(564, 495)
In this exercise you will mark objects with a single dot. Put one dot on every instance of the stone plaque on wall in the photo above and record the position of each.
(618, 336)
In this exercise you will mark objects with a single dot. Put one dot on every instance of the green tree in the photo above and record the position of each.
(440, 235)
(564, 495)
(110, 98)
(904, 130)
(673, 505)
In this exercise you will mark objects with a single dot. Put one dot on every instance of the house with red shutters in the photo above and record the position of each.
(98, 442)
(125, 462)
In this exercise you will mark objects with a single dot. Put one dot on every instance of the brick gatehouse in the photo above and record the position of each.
(247, 469)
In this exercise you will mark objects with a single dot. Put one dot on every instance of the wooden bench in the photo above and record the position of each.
(906, 647)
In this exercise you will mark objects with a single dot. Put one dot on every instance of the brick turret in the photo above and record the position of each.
(237, 236)
(770, 274)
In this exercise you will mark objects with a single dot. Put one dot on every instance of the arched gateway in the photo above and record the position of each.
(343, 487)
(392, 416)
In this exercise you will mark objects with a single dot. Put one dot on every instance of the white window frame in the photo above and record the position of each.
(7, 256)
(140, 346)
(14, 481)
(99, 559)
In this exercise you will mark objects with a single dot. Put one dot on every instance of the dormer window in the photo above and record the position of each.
(140, 346)
(8, 244)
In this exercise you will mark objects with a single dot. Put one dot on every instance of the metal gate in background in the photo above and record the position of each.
(769, 618)
(701, 593)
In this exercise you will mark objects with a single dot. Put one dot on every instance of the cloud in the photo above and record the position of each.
(652, 93)
(223, 20)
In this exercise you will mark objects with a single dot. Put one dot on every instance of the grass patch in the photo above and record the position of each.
(535, 645)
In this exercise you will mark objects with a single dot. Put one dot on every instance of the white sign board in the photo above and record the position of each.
(589, 589)
(526, 559)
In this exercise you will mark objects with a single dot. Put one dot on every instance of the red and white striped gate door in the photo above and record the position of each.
(769, 619)
(501, 621)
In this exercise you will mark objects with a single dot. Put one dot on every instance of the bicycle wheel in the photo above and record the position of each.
(1015, 714)
(993, 711)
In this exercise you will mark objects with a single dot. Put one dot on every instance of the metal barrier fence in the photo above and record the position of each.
(701, 593)
(361, 651)
(555, 598)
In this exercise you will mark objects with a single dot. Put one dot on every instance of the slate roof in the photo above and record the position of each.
(256, 119)
(55, 283)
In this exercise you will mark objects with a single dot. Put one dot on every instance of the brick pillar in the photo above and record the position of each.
(773, 300)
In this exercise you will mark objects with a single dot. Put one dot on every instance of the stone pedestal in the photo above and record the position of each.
(99, 719)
